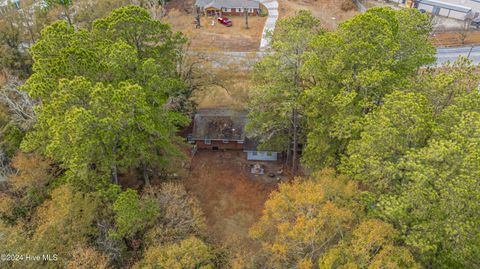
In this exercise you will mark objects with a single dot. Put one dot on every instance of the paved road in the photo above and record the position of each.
(451, 54)
(247, 58)
(272, 6)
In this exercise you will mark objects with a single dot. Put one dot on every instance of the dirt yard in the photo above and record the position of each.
(215, 37)
(454, 39)
(232, 198)
(330, 12)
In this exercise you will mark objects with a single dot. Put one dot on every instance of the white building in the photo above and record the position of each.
(456, 9)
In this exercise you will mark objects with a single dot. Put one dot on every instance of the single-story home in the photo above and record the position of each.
(224, 129)
(228, 7)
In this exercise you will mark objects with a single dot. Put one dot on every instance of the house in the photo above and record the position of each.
(228, 7)
(224, 129)
(218, 129)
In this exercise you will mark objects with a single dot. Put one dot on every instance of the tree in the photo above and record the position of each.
(402, 123)
(352, 69)
(372, 245)
(19, 104)
(65, 4)
(85, 79)
(301, 221)
(62, 223)
(180, 217)
(189, 253)
(87, 11)
(85, 257)
(154, 6)
(27, 186)
(133, 214)
(13, 30)
(437, 208)
(275, 108)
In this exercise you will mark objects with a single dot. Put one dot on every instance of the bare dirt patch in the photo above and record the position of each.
(215, 37)
(454, 39)
(330, 12)
(230, 196)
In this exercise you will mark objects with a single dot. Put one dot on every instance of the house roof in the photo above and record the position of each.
(219, 124)
(250, 144)
(227, 3)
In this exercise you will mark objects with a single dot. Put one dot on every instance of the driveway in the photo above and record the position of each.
(272, 6)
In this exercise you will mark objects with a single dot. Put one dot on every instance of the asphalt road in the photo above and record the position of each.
(445, 55)
(246, 59)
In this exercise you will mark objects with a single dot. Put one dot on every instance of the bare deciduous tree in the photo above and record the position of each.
(18, 103)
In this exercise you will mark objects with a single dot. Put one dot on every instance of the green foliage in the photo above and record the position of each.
(133, 214)
(103, 96)
(190, 253)
(353, 68)
(417, 153)
(133, 25)
(278, 82)
(51, 3)
(12, 136)
(437, 210)
(403, 122)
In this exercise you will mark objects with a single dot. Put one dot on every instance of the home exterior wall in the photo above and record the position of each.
(230, 12)
(219, 144)
(261, 155)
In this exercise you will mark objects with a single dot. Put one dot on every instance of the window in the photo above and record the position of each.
(208, 141)
(239, 9)
(254, 153)
(224, 9)
(225, 141)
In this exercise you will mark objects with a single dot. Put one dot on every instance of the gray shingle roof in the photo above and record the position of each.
(227, 3)
(219, 124)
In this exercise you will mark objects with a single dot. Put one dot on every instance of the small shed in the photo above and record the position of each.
(254, 154)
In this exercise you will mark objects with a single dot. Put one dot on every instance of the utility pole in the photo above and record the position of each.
(245, 11)
(197, 16)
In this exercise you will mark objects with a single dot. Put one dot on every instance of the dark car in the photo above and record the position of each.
(225, 21)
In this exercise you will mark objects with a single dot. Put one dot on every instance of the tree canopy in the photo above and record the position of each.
(103, 94)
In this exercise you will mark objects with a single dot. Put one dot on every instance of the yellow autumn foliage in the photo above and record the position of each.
(302, 219)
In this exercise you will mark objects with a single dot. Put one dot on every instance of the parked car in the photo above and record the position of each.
(225, 21)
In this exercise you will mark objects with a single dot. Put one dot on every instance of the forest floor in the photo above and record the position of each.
(232, 198)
